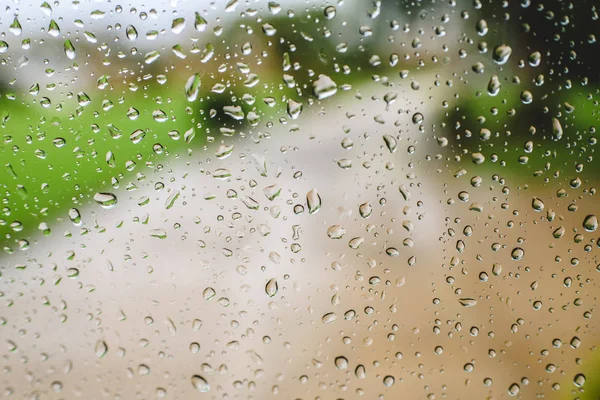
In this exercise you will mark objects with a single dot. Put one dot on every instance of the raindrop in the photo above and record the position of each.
(131, 32)
(389, 381)
(199, 23)
(590, 223)
(313, 200)
(294, 108)
(101, 348)
(336, 232)
(330, 12)
(178, 25)
(390, 143)
(501, 54)
(493, 86)
(579, 380)
(329, 318)
(324, 87)
(467, 302)
(192, 87)
(69, 49)
(537, 204)
(271, 287)
(200, 384)
(151, 56)
(517, 254)
(557, 130)
(106, 200)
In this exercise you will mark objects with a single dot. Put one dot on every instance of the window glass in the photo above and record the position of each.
(301, 199)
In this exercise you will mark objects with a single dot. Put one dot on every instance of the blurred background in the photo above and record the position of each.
(299, 199)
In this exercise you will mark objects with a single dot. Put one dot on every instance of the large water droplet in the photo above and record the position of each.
(106, 200)
(101, 348)
(590, 223)
(69, 49)
(557, 130)
(324, 87)
(271, 287)
(192, 87)
(501, 54)
(313, 200)
(200, 384)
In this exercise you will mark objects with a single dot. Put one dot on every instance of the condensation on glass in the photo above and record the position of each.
(299, 199)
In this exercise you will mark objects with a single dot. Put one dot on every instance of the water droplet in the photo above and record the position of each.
(336, 232)
(360, 371)
(579, 380)
(324, 87)
(208, 293)
(272, 191)
(294, 108)
(501, 54)
(330, 12)
(274, 8)
(313, 200)
(53, 29)
(537, 204)
(101, 348)
(329, 318)
(151, 56)
(481, 27)
(15, 27)
(269, 29)
(271, 287)
(106, 200)
(192, 87)
(535, 59)
(137, 136)
(514, 389)
(389, 381)
(557, 130)
(590, 223)
(365, 210)
(178, 25)
(517, 253)
(200, 384)
(200, 23)
(341, 362)
(493, 86)
(390, 143)
(467, 302)
(159, 116)
(131, 32)
(158, 233)
(526, 97)
(417, 118)
(69, 49)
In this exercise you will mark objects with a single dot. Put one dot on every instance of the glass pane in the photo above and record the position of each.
(299, 199)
